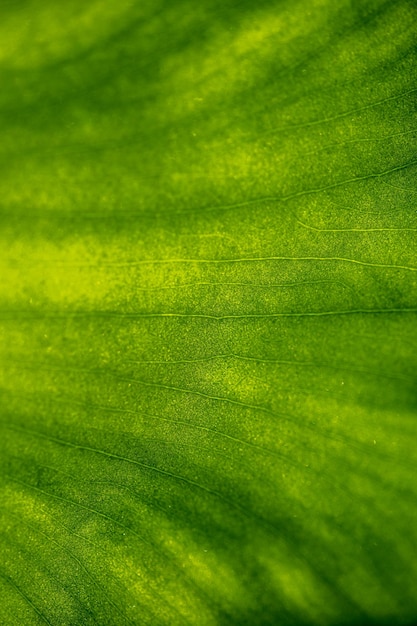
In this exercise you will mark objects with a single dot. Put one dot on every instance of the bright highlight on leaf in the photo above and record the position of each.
(208, 313)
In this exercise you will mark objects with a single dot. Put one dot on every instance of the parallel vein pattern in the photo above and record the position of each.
(208, 307)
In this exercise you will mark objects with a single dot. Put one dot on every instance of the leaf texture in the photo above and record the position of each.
(208, 313)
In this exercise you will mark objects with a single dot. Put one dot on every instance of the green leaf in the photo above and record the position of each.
(208, 313)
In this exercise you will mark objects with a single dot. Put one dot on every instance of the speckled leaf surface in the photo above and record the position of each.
(208, 307)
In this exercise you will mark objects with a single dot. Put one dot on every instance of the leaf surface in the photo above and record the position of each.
(208, 313)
